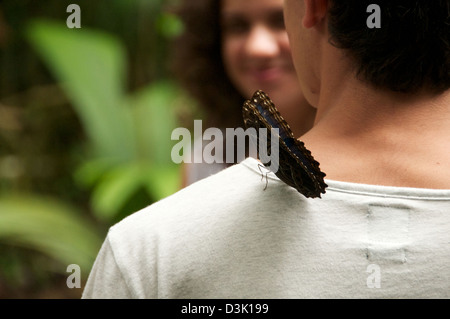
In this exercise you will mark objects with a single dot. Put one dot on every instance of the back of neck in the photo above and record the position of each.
(365, 136)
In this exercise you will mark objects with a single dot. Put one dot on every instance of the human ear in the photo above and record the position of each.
(315, 11)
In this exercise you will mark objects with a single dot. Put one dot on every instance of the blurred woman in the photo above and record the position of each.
(230, 49)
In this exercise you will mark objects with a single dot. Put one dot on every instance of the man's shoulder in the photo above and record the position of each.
(208, 202)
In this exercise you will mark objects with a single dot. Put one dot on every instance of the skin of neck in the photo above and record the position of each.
(376, 136)
(300, 119)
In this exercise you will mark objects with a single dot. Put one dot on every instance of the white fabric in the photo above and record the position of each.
(228, 237)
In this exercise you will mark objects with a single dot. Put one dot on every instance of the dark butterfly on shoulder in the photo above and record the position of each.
(297, 167)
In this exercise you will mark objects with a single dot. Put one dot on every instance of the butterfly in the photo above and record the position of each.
(297, 167)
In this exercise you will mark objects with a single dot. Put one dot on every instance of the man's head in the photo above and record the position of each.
(409, 52)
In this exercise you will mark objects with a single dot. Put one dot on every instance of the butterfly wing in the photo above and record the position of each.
(296, 166)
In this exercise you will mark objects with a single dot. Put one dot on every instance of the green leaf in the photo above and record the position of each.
(169, 25)
(154, 118)
(91, 67)
(91, 171)
(115, 188)
(163, 180)
(50, 227)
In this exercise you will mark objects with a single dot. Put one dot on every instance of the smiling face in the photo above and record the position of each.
(256, 51)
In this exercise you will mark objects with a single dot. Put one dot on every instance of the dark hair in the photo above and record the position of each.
(197, 63)
(411, 50)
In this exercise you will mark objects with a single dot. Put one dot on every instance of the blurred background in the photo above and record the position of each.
(86, 116)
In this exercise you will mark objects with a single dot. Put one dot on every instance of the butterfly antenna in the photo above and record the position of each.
(262, 175)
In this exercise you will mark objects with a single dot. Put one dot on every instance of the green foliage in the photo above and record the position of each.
(91, 68)
(130, 135)
(48, 226)
(169, 25)
(125, 164)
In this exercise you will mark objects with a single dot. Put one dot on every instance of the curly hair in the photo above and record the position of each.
(197, 63)
(410, 51)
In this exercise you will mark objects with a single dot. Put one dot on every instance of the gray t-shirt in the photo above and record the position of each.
(228, 236)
